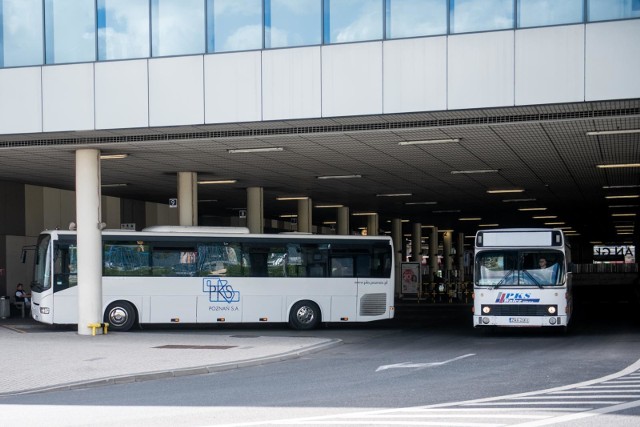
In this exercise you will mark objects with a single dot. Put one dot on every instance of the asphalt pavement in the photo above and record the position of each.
(38, 357)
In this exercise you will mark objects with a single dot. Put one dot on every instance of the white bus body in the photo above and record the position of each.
(180, 276)
(513, 286)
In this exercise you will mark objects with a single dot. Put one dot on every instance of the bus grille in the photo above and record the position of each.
(519, 310)
(373, 304)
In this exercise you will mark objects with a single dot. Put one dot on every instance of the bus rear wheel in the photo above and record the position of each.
(120, 316)
(304, 315)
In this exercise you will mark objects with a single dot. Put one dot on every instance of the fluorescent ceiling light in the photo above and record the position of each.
(218, 181)
(532, 209)
(124, 184)
(596, 242)
(488, 225)
(446, 211)
(623, 214)
(624, 234)
(612, 132)
(624, 196)
(293, 198)
(518, 200)
(513, 190)
(608, 187)
(420, 203)
(470, 237)
(364, 213)
(554, 223)
(113, 156)
(619, 165)
(255, 150)
(546, 217)
(470, 219)
(207, 200)
(622, 206)
(445, 231)
(288, 216)
(474, 171)
(329, 222)
(429, 141)
(394, 195)
(427, 226)
(328, 206)
(339, 176)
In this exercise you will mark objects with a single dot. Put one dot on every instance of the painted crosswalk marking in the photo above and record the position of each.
(612, 393)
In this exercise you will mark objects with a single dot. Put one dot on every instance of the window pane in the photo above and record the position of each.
(21, 40)
(123, 29)
(411, 18)
(352, 20)
(178, 27)
(602, 10)
(126, 259)
(234, 25)
(481, 15)
(293, 23)
(538, 13)
(70, 28)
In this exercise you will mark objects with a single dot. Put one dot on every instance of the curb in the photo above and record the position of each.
(176, 373)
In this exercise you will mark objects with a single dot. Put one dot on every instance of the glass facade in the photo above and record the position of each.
(292, 23)
(538, 13)
(178, 27)
(352, 20)
(70, 31)
(21, 28)
(604, 10)
(36, 32)
(481, 15)
(415, 18)
(234, 25)
(123, 29)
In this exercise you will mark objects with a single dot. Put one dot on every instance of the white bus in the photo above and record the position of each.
(521, 278)
(171, 275)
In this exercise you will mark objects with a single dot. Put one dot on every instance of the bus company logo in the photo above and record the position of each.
(219, 290)
(505, 297)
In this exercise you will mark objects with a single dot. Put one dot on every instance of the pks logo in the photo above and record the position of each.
(507, 297)
(219, 290)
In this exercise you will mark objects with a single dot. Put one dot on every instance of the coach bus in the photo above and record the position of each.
(194, 275)
(521, 278)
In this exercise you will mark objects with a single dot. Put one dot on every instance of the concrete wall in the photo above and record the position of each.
(569, 63)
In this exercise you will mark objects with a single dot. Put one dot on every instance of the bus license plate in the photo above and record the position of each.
(518, 320)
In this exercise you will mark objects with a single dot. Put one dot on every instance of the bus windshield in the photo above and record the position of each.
(41, 270)
(497, 268)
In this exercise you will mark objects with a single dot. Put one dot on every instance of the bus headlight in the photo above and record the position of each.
(486, 309)
(44, 310)
(551, 309)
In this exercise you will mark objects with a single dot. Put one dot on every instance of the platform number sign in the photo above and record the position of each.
(173, 203)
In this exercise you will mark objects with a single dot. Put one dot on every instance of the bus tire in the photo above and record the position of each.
(120, 315)
(304, 315)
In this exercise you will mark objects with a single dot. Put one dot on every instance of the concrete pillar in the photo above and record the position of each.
(446, 251)
(343, 221)
(433, 253)
(398, 241)
(188, 198)
(460, 256)
(305, 212)
(88, 225)
(372, 225)
(255, 210)
(416, 242)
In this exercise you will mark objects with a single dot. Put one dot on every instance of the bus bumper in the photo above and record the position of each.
(519, 321)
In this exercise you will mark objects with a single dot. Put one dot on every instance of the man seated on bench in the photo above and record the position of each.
(22, 296)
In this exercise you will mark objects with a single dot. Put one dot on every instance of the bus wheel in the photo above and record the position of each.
(304, 315)
(120, 316)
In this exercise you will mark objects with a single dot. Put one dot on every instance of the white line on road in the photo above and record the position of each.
(572, 417)
(421, 365)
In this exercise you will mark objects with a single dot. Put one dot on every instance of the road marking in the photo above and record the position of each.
(580, 415)
(421, 365)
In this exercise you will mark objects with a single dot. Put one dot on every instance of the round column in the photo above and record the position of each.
(343, 221)
(89, 235)
(305, 224)
(188, 198)
(255, 210)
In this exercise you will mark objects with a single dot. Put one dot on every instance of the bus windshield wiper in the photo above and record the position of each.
(501, 282)
(533, 279)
